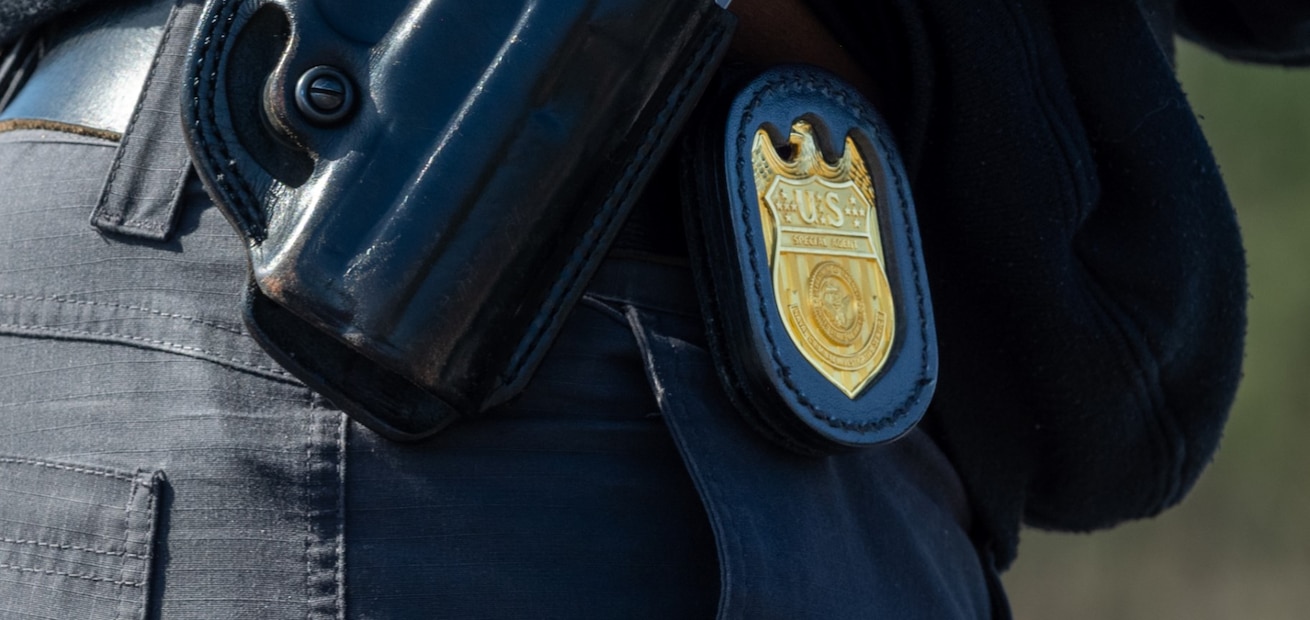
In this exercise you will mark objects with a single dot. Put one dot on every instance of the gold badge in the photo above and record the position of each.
(825, 251)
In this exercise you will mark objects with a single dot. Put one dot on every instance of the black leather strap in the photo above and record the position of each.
(94, 66)
(17, 60)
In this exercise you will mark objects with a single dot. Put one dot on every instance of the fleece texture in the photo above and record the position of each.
(1086, 268)
(1271, 31)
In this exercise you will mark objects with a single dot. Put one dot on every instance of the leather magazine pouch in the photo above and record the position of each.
(808, 263)
(424, 188)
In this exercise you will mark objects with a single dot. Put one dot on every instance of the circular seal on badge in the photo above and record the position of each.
(834, 302)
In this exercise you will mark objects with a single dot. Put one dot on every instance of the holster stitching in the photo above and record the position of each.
(211, 52)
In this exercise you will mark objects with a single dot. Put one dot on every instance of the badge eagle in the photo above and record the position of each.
(820, 224)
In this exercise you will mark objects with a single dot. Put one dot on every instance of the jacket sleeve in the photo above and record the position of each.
(1159, 273)
(1087, 273)
(1271, 31)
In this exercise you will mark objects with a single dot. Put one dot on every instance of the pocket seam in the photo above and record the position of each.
(91, 471)
(60, 547)
(21, 329)
(59, 317)
(59, 573)
(138, 480)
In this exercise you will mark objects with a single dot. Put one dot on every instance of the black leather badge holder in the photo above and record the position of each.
(424, 188)
(809, 265)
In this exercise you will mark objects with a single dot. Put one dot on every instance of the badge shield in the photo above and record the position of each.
(825, 253)
(807, 261)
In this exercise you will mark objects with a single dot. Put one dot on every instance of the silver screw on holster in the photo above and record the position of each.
(325, 95)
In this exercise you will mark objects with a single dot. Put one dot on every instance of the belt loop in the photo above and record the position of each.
(141, 195)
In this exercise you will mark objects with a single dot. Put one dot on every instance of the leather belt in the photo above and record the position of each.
(94, 67)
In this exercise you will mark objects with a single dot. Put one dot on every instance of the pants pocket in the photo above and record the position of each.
(75, 542)
(879, 532)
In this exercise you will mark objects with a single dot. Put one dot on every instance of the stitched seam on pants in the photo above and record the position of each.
(78, 470)
(306, 514)
(343, 430)
(211, 355)
(59, 573)
(152, 516)
(105, 304)
(58, 547)
(324, 514)
(127, 535)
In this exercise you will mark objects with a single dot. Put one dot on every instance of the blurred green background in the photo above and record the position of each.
(1239, 546)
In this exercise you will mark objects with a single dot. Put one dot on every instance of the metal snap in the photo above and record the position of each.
(325, 95)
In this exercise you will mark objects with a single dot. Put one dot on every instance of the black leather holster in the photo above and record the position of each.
(420, 221)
